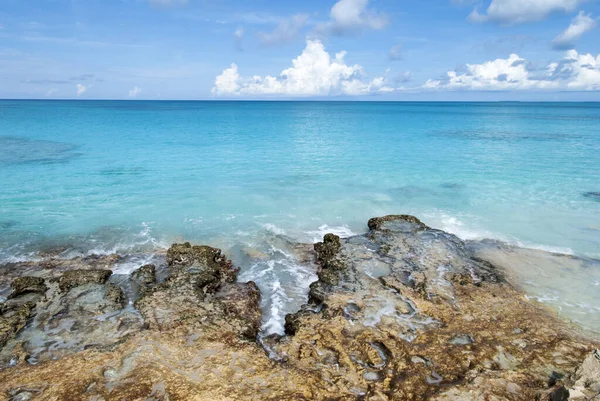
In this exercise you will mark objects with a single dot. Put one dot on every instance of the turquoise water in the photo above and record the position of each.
(114, 176)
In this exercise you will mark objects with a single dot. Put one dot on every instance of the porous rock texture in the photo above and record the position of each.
(404, 312)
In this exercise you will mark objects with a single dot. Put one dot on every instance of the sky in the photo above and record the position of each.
(311, 49)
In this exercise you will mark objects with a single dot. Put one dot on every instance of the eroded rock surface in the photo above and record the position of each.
(404, 312)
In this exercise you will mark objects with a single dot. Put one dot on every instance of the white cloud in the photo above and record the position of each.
(286, 30)
(238, 37)
(51, 92)
(396, 52)
(519, 11)
(404, 77)
(574, 72)
(582, 70)
(134, 92)
(352, 16)
(81, 89)
(313, 73)
(580, 25)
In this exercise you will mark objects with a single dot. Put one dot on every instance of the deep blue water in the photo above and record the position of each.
(129, 176)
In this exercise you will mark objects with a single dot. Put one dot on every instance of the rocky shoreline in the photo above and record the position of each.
(404, 312)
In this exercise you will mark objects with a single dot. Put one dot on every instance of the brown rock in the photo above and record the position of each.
(75, 278)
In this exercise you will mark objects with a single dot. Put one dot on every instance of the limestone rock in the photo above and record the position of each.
(145, 275)
(27, 284)
(75, 278)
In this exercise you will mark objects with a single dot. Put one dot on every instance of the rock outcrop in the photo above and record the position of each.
(404, 312)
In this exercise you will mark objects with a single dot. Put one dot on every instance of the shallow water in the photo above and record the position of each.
(129, 177)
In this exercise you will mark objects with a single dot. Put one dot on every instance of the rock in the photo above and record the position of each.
(242, 305)
(587, 378)
(592, 195)
(200, 292)
(463, 339)
(328, 249)
(293, 322)
(328, 259)
(23, 285)
(213, 264)
(114, 294)
(75, 278)
(377, 223)
(145, 276)
(12, 319)
(559, 394)
(403, 334)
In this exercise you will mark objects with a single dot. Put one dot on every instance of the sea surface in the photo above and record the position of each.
(257, 178)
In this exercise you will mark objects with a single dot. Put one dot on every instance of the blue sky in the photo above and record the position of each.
(349, 49)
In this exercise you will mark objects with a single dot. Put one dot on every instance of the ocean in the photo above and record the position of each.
(257, 178)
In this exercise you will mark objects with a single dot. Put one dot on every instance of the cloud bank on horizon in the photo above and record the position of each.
(189, 49)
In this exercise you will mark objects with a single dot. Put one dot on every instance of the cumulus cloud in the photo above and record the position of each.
(81, 89)
(580, 25)
(519, 11)
(578, 71)
(574, 72)
(286, 30)
(51, 92)
(134, 92)
(313, 73)
(351, 17)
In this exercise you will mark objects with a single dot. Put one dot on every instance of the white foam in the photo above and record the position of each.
(341, 231)
(274, 229)
(545, 248)
(134, 262)
(284, 284)
(453, 225)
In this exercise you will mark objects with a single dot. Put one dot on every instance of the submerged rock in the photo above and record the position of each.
(592, 195)
(404, 312)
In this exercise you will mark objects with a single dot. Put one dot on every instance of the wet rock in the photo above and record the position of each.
(75, 278)
(114, 294)
(403, 334)
(200, 293)
(328, 276)
(559, 394)
(23, 285)
(242, 306)
(378, 223)
(207, 263)
(463, 339)
(328, 249)
(328, 259)
(12, 319)
(351, 311)
(144, 277)
(318, 292)
(293, 322)
(51, 252)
